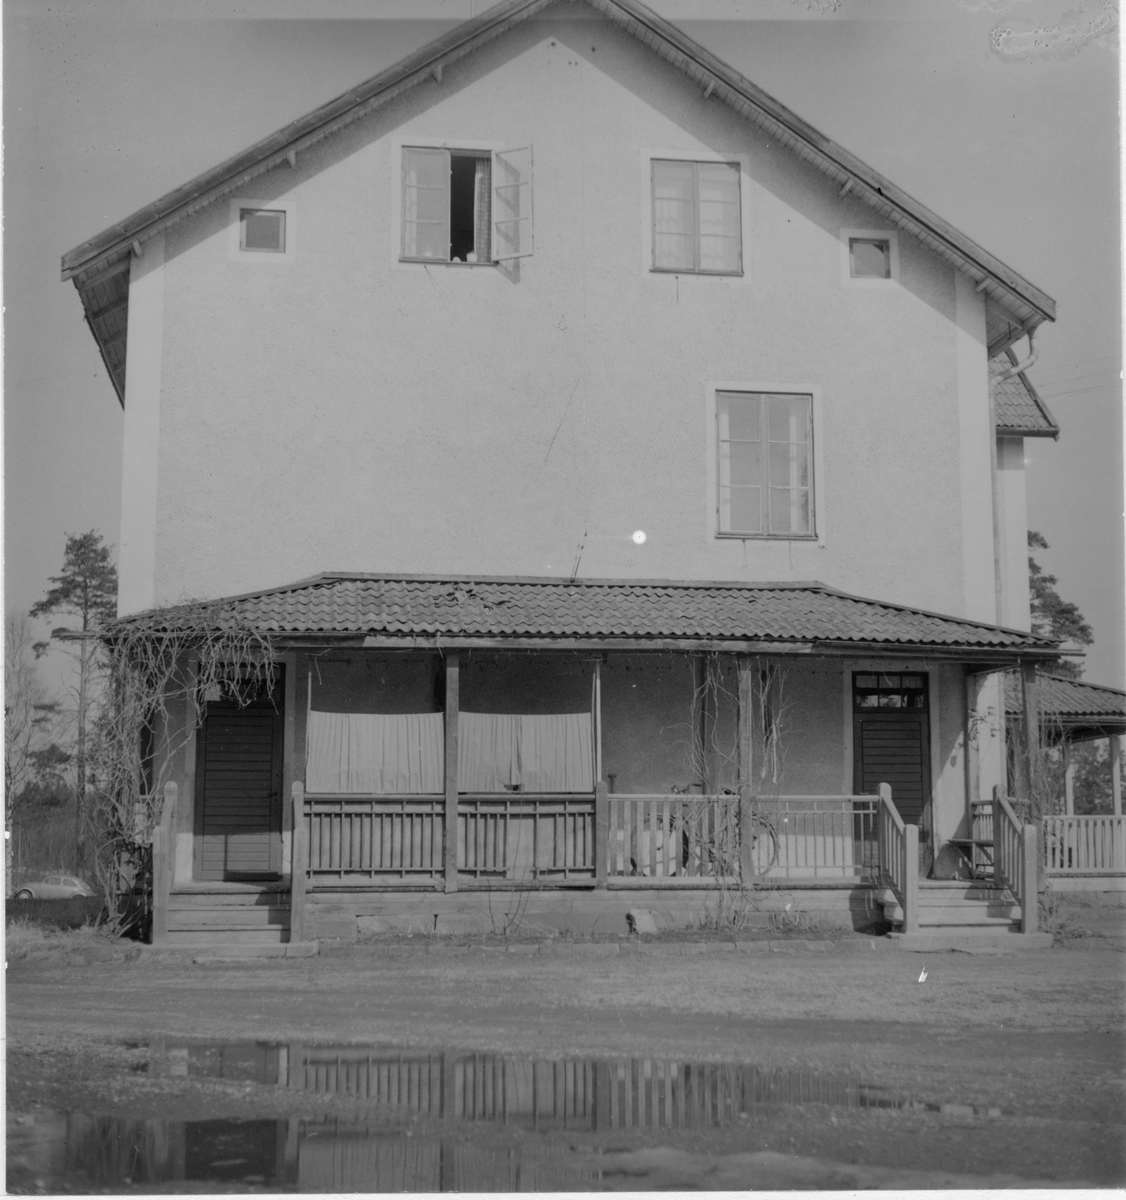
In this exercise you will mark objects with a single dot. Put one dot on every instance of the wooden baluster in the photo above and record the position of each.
(1029, 898)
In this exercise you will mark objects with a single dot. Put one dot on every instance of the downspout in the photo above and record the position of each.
(1033, 355)
(994, 482)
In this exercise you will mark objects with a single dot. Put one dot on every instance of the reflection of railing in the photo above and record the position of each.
(724, 839)
(357, 837)
(524, 836)
(1091, 845)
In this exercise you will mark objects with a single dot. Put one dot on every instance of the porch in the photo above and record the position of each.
(607, 738)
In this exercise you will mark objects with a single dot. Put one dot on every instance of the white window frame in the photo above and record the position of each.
(482, 146)
(869, 281)
(711, 446)
(275, 258)
(648, 154)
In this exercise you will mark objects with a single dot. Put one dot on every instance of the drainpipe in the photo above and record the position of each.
(1033, 355)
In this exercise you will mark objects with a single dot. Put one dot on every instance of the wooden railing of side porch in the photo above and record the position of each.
(899, 858)
(1015, 854)
(1085, 845)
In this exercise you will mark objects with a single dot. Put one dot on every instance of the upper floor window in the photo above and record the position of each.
(262, 229)
(465, 206)
(696, 217)
(764, 443)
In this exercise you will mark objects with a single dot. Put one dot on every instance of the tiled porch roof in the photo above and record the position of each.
(1080, 709)
(489, 608)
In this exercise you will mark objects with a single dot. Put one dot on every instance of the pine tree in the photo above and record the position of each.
(1052, 616)
(86, 593)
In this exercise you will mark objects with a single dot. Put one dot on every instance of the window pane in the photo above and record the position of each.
(263, 229)
(789, 418)
(744, 463)
(426, 203)
(674, 216)
(746, 510)
(743, 414)
(720, 248)
(869, 258)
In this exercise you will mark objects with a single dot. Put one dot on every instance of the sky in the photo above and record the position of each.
(1000, 115)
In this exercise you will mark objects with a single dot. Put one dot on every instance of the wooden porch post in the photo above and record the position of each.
(911, 879)
(162, 865)
(1116, 772)
(298, 865)
(746, 720)
(601, 833)
(1068, 779)
(1030, 883)
(452, 680)
(1030, 735)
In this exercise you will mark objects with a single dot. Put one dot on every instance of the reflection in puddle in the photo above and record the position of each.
(438, 1121)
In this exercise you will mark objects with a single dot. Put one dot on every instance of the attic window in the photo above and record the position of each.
(447, 205)
(869, 258)
(262, 229)
(696, 217)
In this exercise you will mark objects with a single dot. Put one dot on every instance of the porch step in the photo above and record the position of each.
(248, 939)
(234, 917)
(971, 941)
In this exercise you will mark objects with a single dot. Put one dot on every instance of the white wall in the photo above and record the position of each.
(348, 412)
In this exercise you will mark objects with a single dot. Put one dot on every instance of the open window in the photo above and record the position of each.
(466, 206)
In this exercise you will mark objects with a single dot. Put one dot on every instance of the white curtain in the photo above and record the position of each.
(502, 751)
(376, 753)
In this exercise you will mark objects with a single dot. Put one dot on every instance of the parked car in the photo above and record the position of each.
(54, 887)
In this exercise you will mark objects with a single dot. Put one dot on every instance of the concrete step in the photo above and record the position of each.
(950, 920)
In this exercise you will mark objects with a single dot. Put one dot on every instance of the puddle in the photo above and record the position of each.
(433, 1121)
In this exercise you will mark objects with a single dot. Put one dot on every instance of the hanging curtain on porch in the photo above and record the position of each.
(375, 753)
(498, 752)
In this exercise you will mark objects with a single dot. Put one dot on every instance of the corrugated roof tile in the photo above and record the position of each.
(517, 608)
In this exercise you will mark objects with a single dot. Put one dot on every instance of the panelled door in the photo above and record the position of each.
(891, 740)
(238, 790)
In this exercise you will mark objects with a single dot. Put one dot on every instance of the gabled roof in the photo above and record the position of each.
(1081, 711)
(1017, 405)
(454, 610)
(1013, 304)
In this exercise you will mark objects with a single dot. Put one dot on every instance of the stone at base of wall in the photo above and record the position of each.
(547, 914)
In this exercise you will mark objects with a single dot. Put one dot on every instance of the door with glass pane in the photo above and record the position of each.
(891, 740)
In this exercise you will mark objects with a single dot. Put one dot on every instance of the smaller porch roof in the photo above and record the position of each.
(1081, 711)
(401, 611)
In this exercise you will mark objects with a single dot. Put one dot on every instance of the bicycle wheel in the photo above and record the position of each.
(764, 846)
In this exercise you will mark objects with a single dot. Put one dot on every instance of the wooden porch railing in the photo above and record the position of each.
(1015, 859)
(716, 840)
(899, 858)
(356, 838)
(526, 836)
(1091, 845)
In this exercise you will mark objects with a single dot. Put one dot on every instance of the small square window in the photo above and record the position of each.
(262, 229)
(869, 258)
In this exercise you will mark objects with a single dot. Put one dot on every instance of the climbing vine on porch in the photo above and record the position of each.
(160, 669)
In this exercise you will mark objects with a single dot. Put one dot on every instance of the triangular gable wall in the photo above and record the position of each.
(98, 266)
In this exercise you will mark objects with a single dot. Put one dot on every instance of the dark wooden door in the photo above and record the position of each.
(238, 803)
(893, 748)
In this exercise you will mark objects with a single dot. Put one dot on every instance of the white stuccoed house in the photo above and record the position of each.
(617, 469)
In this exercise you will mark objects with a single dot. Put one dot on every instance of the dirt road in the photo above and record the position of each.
(1038, 1036)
